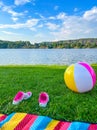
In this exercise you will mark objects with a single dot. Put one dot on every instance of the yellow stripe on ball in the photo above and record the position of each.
(69, 78)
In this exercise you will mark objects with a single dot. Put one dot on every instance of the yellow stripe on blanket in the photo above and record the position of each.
(52, 125)
(14, 121)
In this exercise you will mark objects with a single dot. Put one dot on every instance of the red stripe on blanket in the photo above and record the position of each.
(62, 125)
(93, 127)
(26, 122)
(31, 121)
(59, 125)
(3, 117)
(65, 125)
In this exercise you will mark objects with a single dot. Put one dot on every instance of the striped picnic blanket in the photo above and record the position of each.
(24, 121)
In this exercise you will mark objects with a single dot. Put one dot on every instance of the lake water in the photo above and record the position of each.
(47, 56)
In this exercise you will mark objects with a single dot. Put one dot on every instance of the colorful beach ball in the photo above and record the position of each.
(80, 77)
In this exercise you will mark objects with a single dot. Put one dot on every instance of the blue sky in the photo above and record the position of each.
(47, 20)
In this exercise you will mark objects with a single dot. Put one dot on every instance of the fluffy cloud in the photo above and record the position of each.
(31, 22)
(10, 33)
(21, 2)
(14, 19)
(61, 16)
(73, 27)
(56, 7)
(28, 24)
(91, 14)
(9, 10)
(61, 26)
(52, 26)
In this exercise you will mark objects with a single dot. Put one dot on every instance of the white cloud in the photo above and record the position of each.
(14, 19)
(88, 31)
(13, 26)
(21, 2)
(41, 16)
(9, 10)
(56, 7)
(31, 22)
(52, 26)
(40, 26)
(10, 33)
(62, 16)
(40, 37)
(28, 24)
(61, 26)
(91, 14)
(52, 17)
(72, 27)
(33, 29)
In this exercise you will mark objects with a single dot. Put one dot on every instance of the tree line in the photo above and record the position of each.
(78, 43)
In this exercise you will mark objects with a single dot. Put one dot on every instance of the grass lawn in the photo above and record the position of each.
(63, 105)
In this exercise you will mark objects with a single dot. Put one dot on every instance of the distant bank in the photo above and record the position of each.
(77, 43)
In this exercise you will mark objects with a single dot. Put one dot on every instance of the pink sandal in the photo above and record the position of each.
(43, 99)
(21, 96)
(27, 95)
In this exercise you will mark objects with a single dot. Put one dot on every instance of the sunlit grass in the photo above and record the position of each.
(64, 104)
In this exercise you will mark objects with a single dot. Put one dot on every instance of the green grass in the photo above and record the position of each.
(63, 105)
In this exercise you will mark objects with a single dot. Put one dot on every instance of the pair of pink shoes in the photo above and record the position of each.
(43, 98)
(21, 96)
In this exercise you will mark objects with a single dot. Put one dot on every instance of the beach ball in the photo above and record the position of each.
(80, 77)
